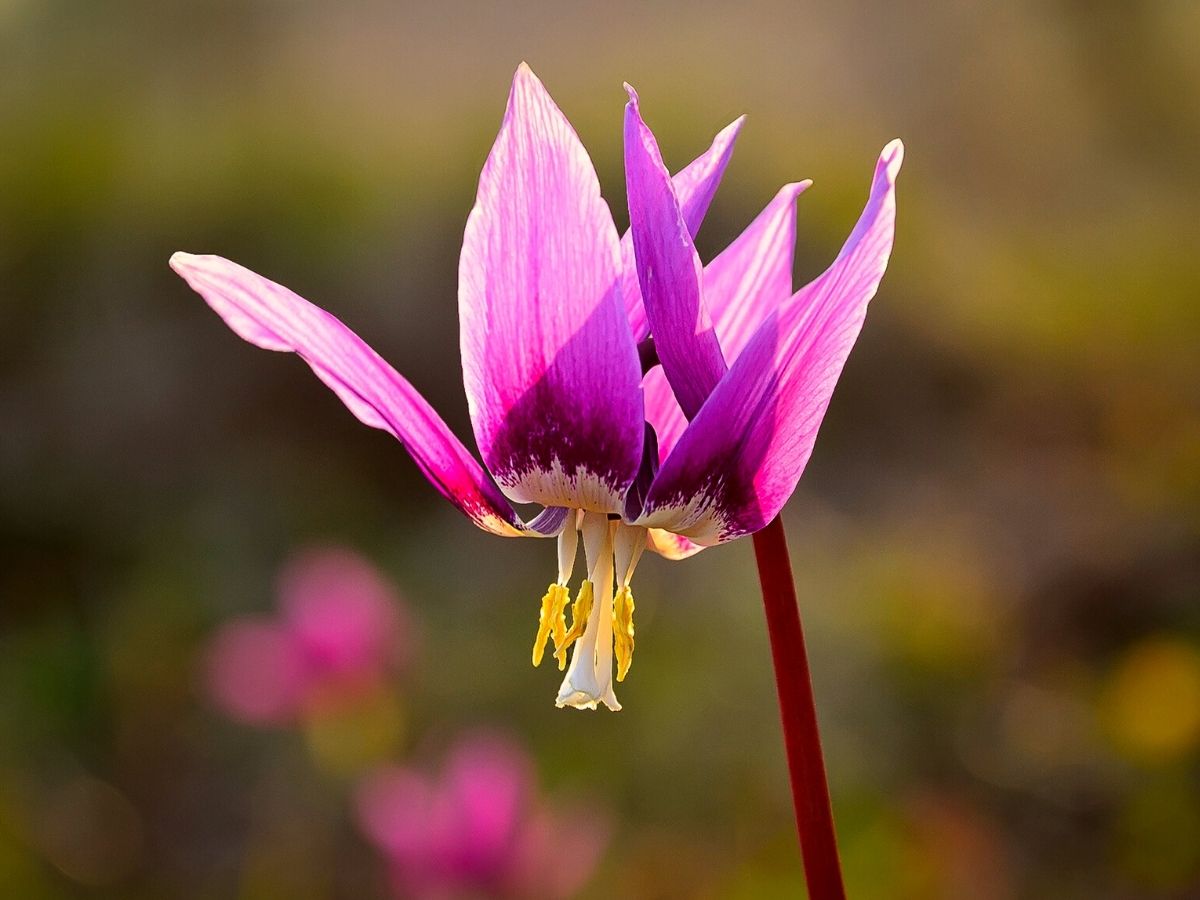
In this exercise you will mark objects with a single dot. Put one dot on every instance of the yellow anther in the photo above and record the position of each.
(551, 620)
(623, 630)
(579, 616)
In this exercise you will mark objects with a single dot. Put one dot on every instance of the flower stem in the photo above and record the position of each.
(806, 765)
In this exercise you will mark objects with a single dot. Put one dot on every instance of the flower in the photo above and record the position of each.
(704, 446)
(339, 636)
(478, 828)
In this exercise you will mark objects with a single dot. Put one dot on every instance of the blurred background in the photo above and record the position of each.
(997, 541)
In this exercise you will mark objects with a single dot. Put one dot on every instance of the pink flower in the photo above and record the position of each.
(477, 827)
(642, 398)
(255, 672)
(342, 616)
(339, 634)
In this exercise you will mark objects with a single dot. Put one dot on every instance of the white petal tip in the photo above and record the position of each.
(892, 156)
(794, 189)
(581, 700)
(525, 82)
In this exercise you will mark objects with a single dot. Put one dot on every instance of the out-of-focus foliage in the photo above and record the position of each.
(997, 540)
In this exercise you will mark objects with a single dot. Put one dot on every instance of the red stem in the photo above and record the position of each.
(806, 765)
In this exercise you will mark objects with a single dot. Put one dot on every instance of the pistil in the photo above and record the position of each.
(588, 681)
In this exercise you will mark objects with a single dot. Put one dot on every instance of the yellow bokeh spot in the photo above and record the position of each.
(551, 620)
(623, 630)
(937, 614)
(1151, 704)
(579, 616)
(347, 733)
(1160, 809)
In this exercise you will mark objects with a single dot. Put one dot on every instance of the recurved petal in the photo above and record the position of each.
(670, 546)
(695, 185)
(741, 456)
(751, 277)
(669, 270)
(550, 368)
(270, 316)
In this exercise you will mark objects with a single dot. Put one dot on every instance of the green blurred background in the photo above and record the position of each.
(997, 541)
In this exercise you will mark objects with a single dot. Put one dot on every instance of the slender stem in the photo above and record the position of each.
(806, 765)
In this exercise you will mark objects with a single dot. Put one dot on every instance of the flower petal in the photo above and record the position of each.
(670, 546)
(749, 278)
(741, 456)
(669, 270)
(753, 275)
(695, 185)
(270, 316)
(550, 368)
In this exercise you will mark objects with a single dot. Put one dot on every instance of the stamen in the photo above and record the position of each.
(579, 618)
(623, 630)
(568, 545)
(628, 546)
(550, 620)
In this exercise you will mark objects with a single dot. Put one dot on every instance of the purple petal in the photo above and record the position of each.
(741, 456)
(270, 316)
(669, 270)
(551, 370)
(751, 277)
(695, 185)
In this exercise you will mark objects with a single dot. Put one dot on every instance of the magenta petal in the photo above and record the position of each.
(695, 185)
(669, 270)
(749, 278)
(550, 367)
(270, 316)
(741, 456)
(753, 275)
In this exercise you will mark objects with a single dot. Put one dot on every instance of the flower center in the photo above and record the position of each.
(601, 619)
